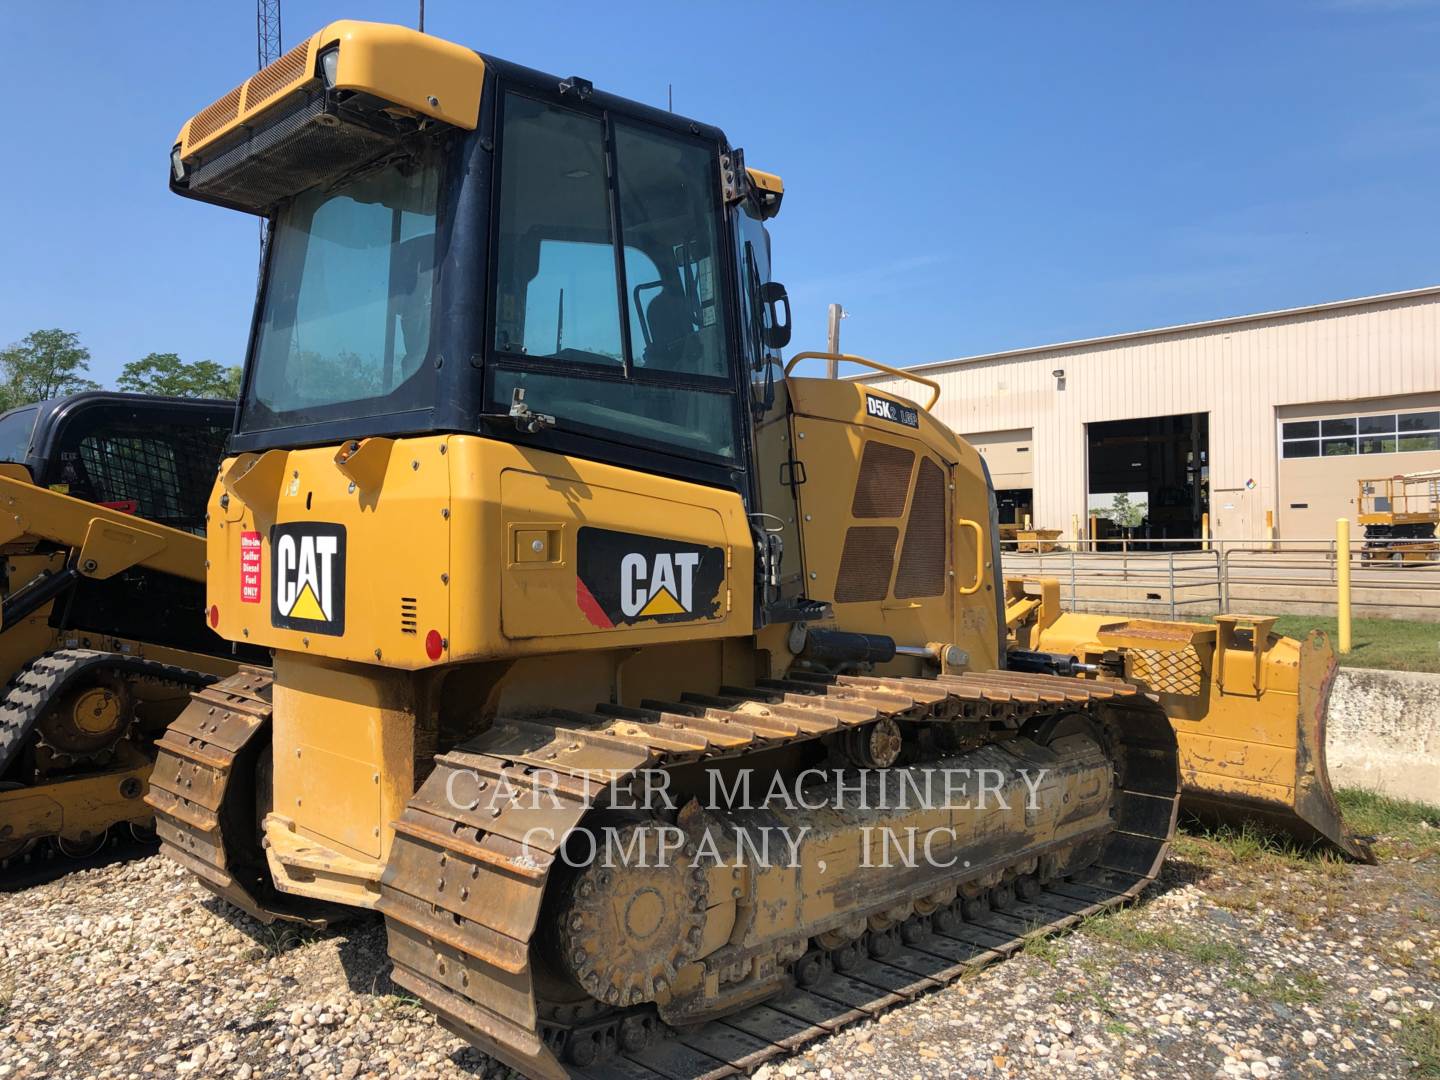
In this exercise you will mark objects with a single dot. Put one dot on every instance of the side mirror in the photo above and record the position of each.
(776, 332)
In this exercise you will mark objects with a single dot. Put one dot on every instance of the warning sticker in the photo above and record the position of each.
(250, 567)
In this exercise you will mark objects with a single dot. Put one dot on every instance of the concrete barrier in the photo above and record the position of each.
(1383, 733)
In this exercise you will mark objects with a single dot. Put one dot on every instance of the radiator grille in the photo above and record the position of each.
(922, 560)
(883, 482)
(278, 76)
(1168, 672)
(215, 116)
(409, 614)
(866, 563)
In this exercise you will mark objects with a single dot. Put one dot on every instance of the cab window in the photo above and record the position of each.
(607, 308)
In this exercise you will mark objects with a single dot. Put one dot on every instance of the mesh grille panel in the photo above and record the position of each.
(214, 116)
(922, 560)
(1168, 672)
(278, 76)
(163, 476)
(866, 563)
(883, 483)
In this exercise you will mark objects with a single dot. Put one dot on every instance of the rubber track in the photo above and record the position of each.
(36, 688)
(462, 896)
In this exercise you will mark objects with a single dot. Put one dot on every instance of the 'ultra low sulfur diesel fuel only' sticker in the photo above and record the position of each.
(250, 567)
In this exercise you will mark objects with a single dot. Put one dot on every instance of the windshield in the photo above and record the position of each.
(15, 429)
(344, 327)
(607, 308)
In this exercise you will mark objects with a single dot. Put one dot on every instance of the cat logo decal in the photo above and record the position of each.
(627, 578)
(309, 577)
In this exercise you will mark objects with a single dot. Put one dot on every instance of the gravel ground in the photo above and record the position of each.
(1241, 962)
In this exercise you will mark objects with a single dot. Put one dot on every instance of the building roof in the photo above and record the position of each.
(1231, 320)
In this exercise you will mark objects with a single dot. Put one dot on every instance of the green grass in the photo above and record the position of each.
(1420, 1038)
(1044, 948)
(1371, 814)
(1288, 988)
(1393, 644)
(1122, 928)
(1250, 842)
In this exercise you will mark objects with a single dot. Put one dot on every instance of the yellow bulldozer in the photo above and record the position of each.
(103, 635)
(559, 564)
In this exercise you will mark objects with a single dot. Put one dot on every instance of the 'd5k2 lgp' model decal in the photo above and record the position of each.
(625, 578)
(893, 411)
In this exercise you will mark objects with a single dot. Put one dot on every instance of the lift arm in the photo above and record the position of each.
(103, 542)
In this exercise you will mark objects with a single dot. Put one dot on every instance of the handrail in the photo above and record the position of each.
(970, 590)
(885, 368)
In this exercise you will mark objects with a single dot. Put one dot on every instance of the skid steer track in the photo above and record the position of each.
(462, 891)
(36, 688)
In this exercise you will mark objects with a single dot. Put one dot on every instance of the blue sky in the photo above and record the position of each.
(962, 177)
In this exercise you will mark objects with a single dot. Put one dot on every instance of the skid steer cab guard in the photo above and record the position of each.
(1248, 706)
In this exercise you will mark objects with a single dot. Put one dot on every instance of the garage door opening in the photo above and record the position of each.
(1149, 478)
(1008, 457)
(1015, 506)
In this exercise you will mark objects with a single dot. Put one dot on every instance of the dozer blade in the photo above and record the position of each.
(1248, 708)
(1269, 766)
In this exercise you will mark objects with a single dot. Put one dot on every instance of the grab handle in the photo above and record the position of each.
(884, 368)
(969, 590)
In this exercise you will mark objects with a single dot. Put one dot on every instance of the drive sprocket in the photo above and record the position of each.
(625, 929)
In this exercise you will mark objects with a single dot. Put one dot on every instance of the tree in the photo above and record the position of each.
(44, 364)
(166, 373)
(1126, 514)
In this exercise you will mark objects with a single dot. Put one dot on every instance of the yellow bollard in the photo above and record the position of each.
(1342, 582)
(1205, 530)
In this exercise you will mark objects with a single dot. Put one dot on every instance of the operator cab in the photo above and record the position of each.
(554, 266)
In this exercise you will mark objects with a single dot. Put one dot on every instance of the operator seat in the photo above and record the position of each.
(672, 330)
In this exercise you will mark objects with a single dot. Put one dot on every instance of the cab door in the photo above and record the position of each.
(776, 475)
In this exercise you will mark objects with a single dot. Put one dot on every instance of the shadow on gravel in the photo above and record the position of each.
(45, 863)
(359, 944)
(1179, 871)
(363, 956)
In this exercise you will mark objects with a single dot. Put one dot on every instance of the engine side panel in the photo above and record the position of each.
(442, 549)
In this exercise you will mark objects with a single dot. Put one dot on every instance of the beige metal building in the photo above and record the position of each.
(1282, 412)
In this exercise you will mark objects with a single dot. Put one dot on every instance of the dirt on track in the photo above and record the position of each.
(1242, 961)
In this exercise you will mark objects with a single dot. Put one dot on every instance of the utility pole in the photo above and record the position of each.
(832, 343)
(267, 51)
(422, 16)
